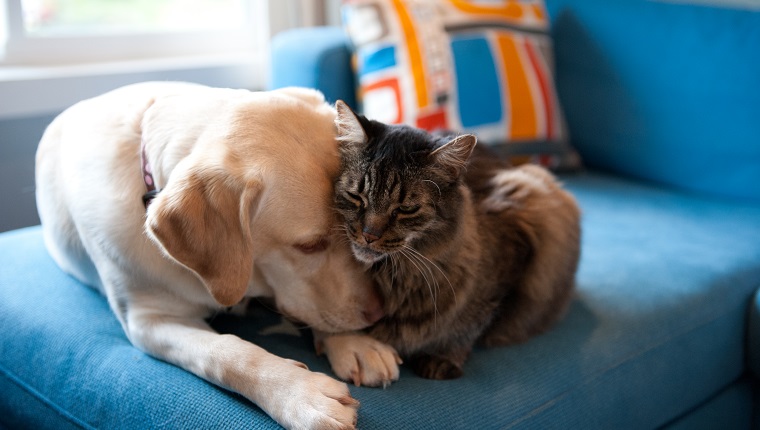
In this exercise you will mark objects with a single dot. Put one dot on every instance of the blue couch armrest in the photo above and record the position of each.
(315, 57)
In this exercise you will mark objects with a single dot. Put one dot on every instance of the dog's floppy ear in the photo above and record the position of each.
(202, 220)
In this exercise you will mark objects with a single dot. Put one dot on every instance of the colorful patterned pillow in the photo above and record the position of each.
(479, 66)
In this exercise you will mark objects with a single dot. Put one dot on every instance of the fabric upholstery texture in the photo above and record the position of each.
(724, 408)
(657, 327)
(463, 66)
(663, 91)
(65, 361)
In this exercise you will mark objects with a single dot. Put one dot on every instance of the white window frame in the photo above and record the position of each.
(23, 49)
(44, 75)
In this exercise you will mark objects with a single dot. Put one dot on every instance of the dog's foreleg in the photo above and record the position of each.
(286, 390)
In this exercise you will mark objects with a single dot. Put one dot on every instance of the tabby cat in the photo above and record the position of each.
(464, 249)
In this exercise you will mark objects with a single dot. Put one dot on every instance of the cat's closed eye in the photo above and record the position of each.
(354, 198)
(406, 209)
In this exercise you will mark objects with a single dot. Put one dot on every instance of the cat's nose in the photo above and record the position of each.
(369, 237)
(373, 229)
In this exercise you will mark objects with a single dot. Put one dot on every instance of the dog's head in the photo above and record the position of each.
(248, 210)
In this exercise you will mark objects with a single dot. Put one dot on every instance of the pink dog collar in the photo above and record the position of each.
(147, 174)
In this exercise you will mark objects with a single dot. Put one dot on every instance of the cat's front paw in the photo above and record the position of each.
(361, 359)
(435, 367)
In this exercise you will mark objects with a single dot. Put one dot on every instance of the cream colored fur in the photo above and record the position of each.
(246, 186)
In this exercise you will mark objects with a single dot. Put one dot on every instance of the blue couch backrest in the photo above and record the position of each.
(667, 91)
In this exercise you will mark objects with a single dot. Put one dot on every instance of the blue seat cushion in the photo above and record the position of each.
(658, 326)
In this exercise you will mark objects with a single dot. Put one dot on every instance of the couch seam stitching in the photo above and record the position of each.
(627, 359)
(45, 401)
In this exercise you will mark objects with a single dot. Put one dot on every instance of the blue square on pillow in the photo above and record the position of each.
(477, 81)
(373, 59)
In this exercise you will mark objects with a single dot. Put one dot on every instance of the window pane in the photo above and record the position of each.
(87, 17)
(3, 31)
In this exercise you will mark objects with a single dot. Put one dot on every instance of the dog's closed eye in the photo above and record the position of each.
(318, 245)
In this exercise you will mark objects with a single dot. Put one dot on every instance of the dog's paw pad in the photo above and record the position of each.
(362, 360)
(313, 400)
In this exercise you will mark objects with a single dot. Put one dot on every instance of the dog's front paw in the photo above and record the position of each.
(311, 400)
(361, 359)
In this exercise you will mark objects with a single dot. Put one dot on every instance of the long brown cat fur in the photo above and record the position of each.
(464, 248)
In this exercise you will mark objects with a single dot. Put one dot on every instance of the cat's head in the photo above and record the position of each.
(399, 186)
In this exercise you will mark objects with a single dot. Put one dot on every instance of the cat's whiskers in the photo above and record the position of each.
(341, 229)
(415, 260)
(344, 234)
(412, 252)
(394, 269)
(436, 185)
(416, 263)
(431, 262)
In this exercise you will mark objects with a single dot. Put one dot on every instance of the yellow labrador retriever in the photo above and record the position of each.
(243, 190)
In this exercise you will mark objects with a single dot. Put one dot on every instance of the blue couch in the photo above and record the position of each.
(664, 330)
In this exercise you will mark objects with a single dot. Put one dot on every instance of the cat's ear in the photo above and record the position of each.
(348, 126)
(454, 154)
